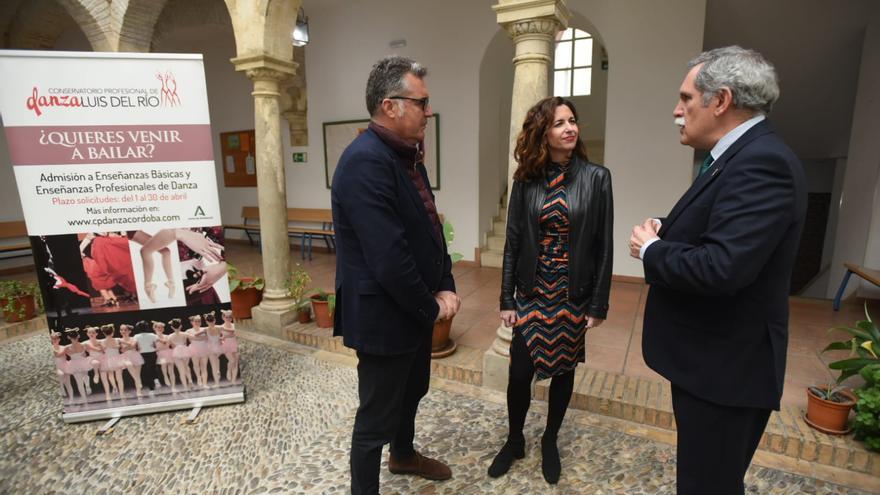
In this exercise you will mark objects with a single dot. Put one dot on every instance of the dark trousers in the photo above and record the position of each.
(148, 370)
(715, 444)
(389, 388)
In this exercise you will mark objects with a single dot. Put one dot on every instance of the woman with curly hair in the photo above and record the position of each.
(556, 273)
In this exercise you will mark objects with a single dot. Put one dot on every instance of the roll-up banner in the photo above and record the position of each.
(113, 159)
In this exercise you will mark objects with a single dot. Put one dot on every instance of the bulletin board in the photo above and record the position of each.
(238, 151)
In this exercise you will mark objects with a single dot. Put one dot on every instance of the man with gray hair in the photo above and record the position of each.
(719, 265)
(393, 274)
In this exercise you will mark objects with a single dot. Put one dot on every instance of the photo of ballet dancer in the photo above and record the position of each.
(112, 365)
(102, 272)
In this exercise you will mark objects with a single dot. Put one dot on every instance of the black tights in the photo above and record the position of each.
(519, 393)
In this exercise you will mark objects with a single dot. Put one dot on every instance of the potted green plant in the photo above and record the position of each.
(296, 287)
(441, 344)
(245, 292)
(828, 407)
(324, 305)
(19, 300)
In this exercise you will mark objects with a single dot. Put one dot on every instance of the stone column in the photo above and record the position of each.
(267, 73)
(532, 25)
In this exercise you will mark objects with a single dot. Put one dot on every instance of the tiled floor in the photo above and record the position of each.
(616, 345)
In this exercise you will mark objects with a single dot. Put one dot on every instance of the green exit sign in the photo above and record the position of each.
(301, 157)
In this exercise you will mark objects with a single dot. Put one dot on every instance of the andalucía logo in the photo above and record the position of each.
(199, 212)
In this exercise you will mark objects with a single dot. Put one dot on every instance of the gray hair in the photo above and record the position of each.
(749, 76)
(388, 78)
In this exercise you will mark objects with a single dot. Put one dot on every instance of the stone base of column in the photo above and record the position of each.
(272, 322)
(495, 370)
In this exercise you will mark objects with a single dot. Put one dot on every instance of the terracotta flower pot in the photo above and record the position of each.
(323, 318)
(304, 315)
(243, 300)
(26, 302)
(829, 416)
(441, 344)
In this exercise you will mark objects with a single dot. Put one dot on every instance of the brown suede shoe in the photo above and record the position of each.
(420, 465)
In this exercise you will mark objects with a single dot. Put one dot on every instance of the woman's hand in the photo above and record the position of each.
(593, 322)
(508, 317)
(211, 275)
(200, 244)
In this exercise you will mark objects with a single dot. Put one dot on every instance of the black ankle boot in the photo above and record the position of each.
(503, 460)
(550, 464)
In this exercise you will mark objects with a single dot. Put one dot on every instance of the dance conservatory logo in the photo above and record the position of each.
(129, 97)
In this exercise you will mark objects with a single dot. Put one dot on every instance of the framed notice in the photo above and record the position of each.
(338, 135)
(238, 152)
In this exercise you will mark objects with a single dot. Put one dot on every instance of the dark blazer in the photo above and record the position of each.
(390, 260)
(591, 220)
(716, 316)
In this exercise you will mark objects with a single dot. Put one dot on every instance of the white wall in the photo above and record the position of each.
(449, 38)
(648, 48)
(858, 217)
(496, 86)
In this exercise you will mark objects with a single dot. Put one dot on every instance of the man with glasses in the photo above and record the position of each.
(393, 274)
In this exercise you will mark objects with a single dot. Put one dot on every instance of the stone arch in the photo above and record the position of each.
(138, 22)
(37, 24)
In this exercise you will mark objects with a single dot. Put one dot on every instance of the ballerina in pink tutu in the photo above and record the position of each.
(229, 345)
(62, 370)
(199, 350)
(214, 348)
(79, 365)
(131, 356)
(164, 355)
(113, 361)
(180, 352)
(95, 349)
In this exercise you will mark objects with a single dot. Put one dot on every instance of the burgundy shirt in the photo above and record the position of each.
(412, 155)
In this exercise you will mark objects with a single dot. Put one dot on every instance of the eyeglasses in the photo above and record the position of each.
(422, 102)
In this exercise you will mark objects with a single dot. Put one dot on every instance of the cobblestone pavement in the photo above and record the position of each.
(292, 436)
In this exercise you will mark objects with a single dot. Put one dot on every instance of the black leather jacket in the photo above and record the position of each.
(591, 219)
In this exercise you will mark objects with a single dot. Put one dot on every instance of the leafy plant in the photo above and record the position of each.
(322, 295)
(830, 393)
(867, 422)
(11, 290)
(863, 346)
(449, 236)
(296, 286)
(237, 281)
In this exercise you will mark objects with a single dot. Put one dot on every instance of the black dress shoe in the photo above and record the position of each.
(504, 459)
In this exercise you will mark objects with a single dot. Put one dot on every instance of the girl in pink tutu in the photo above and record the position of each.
(199, 350)
(229, 346)
(62, 370)
(214, 348)
(113, 361)
(164, 355)
(95, 349)
(78, 366)
(180, 352)
(131, 356)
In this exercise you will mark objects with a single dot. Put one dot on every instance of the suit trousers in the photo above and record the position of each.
(389, 389)
(149, 369)
(715, 444)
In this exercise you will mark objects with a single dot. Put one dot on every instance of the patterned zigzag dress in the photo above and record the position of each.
(551, 325)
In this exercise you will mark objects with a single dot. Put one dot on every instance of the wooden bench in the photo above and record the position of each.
(868, 274)
(14, 230)
(304, 223)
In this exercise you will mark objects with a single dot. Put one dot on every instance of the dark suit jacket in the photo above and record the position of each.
(390, 259)
(716, 317)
